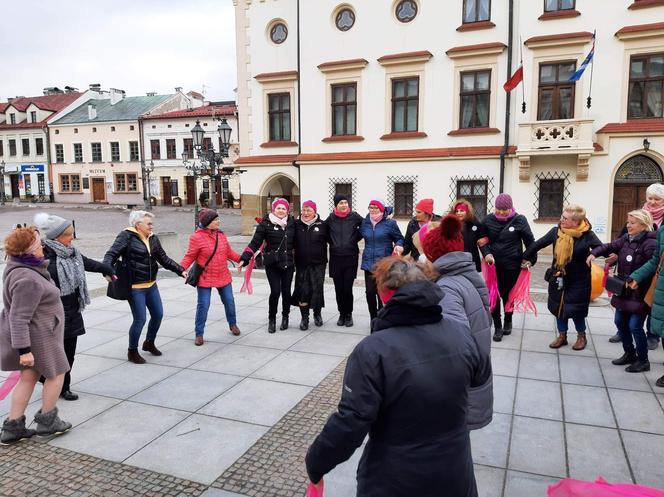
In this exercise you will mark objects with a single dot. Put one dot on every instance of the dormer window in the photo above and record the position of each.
(33, 116)
(12, 118)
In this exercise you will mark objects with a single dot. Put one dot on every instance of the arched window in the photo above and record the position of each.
(639, 169)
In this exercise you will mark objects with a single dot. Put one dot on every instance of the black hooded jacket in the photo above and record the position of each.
(406, 385)
(310, 243)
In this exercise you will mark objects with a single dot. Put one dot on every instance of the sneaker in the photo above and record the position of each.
(199, 340)
(560, 341)
(660, 382)
(638, 367)
(615, 338)
(624, 359)
(149, 346)
(341, 320)
(653, 342)
(68, 395)
(498, 335)
(14, 430)
(318, 319)
(50, 424)
(135, 357)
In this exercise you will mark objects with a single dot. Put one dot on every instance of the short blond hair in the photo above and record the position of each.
(578, 212)
(643, 217)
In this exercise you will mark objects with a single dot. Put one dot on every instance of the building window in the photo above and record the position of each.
(189, 147)
(345, 19)
(78, 152)
(551, 193)
(131, 127)
(57, 131)
(344, 109)
(70, 183)
(345, 189)
(94, 130)
(403, 199)
(25, 146)
(155, 149)
(2, 148)
(112, 128)
(174, 188)
(33, 116)
(126, 182)
(555, 5)
(279, 117)
(59, 153)
(646, 87)
(406, 10)
(12, 148)
(476, 11)
(475, 94)
(475, 192)
(278, 33)
(405, 101)
(39, 146)
(12, 118)
(170, 149)
(133, 151)
(75, 131)
(115, 151)
(556, 92)
(96, 152)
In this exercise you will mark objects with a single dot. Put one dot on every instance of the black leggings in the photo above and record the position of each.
(280, 285)
(70, 352)
(506, 281)
(373, 300)
(343, 288)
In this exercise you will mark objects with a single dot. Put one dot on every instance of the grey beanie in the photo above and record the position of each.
(50, 225)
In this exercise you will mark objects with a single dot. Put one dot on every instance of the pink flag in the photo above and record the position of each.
(9, 384)
(491, 280)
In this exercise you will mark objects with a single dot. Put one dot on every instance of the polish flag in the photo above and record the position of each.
(514, 81)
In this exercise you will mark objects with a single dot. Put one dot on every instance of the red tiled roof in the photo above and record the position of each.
(561, 36)
(634, 126)
(24, 125)
(205, 111)
(46, 102)
(640, 27)
(195, 94)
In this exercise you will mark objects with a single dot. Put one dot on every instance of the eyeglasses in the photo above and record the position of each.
(563, 218)
(147, 224)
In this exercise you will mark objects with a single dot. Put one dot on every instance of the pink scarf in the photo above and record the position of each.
(505, 218)
(657, 213)
(279, 222)
(375, 218)
(340, 214)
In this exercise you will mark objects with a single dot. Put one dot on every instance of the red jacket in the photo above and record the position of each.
(201, 245)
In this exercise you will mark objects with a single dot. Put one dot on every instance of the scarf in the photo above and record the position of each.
(376, 218)
(309, 223)
(505, 218)
(340, 214)
(71, 271)
(29, 259)
(565, 243)
(279, 222)
(657, 213)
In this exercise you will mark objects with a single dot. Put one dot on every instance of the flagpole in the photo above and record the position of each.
(523, 82)
(592, 67)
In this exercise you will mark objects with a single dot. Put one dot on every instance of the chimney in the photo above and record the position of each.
(151, 93)
(70, 89)
(178, 89)
(116, 95)
(92, 112)
(95, 86)
(52, 90)
(10, 99)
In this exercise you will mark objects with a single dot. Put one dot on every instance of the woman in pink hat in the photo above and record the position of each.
(277, 230)
(472, 230)
(423, 216)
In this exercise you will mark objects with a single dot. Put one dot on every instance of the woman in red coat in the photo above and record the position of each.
(216, 275)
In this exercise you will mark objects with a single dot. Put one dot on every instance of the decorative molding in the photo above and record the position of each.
(276, 77)
(404, 135)
(645, 4)
(524, 168)
(548, 41)
(634, 126)
(391, 180)
(640, 31)
(545, 176)
(343, 65)
(474, 131)
(405, 155)
(582, 162)
(266, 159)
(343, 138)
(559, 14)
(419, 57)
(342, 181)
(278, 144)
(474, 26)
(478, 50)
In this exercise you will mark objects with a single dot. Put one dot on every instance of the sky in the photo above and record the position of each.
(138, 46)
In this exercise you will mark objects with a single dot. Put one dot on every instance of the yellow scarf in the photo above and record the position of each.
(565, 243)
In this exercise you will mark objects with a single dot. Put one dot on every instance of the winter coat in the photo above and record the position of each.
(406, 385)
(631, 256)
(32, 318)
(278, 241)
(310, 243)
(643, 276)
(143, 263)
(506, 241)
(343, 236)
(473, 232)
(467, 300)
(572, 301)
(201, 247)
(413, 227)
(379, 240)
(74, 325)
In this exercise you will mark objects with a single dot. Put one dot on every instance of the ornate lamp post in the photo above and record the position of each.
(146, 170)
(212, 162)
(2, 183)
(196, 171)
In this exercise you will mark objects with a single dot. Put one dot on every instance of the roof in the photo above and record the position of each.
(205, 111)
(127, 109)
(53, 103)
(634, 126)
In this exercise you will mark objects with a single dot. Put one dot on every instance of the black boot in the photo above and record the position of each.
(626, 358)
(342, 319)
(507, 325)
(497, 328)
(49, 423)
(348, 322)
(284, 322)
(304, 323)
(68, 395)
(318, 319)
(271, 325)
(149, 346)
(616, 338)
(638, 367)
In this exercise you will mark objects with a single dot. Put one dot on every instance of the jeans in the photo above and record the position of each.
(631, 325)
(373, 300)
(140, 299)
(226, 294)
(579, 324)
(280, 285)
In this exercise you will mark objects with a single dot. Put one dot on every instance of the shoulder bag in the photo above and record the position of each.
(120, 289)
(650, 295)
(195, 270)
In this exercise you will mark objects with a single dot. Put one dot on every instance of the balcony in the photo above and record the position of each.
(561, 137)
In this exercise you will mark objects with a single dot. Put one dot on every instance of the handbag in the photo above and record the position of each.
(650, 294)
(616, 285)
(120, 289)
(195, 270)
(272, 257)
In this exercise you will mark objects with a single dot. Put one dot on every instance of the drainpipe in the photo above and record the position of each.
(51, 195)
(299, 106)
(508, 95)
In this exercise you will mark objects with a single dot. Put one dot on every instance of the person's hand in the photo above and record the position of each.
(398, 250)
(526, 264)
(489, 259)
(633, 285)
(27, 360)
(611, 259)
(109, 278)
(185, 274)
(590, 260)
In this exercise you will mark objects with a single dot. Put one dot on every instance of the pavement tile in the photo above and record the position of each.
(595, 451)
(536, 341)
(527, 485)
(117, 349)
(641, 448)
(537, 447)
(218, 331)
(580, 371)
(35, 397)
(489, 481)
(175, 327)
(280, 340)
(146, 424)
(504, 361)
(543, 322)
(361, 324)
(76, 412)
(86, 366)
(125, 380)
(215, 492)
(538, 366)
(94, 338)
(539, 399)
(298, 367)
(198, 449)
(256, 401)
(638, 411)
(325, 342)
(503, 394)
(188, 390)
(489, 444)
(512, 341)
(606, 349)
(617, 377)
(183, 353)
(236, 360)
(600, 311)
(587, 405)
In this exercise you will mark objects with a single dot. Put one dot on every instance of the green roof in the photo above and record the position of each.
(127, 109)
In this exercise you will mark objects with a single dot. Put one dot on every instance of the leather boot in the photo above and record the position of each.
(199, 340)
(507, 325)
(497, 327)
(624, 359)
(271, 325)
(135, 357)
(148, 346)
(341, 320)
(560, 341)
(284, 322)
(304, 322)
(638, 367)
(235, 330)
(68, 395)
(581, 342)
(348, 321)
(318, 319)
(616, 338)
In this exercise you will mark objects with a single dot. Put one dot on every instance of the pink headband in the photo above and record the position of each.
(310, 203)
(461, 207)
(378, 204)
(280, 201)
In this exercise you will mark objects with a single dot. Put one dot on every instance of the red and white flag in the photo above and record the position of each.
(514, 81)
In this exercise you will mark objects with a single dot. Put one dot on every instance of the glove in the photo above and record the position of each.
(244, 259)
(107, 270)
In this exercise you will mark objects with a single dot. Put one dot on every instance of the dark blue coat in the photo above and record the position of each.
(379, 241)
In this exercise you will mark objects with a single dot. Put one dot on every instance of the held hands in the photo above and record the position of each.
(489, 259)
(590, 260)
(27, 360)
(632, 284)
(185, 274)
(398, 250)
(611, 259)
(526, 264)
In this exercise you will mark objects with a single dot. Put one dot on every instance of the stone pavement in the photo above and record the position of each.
(234, 417)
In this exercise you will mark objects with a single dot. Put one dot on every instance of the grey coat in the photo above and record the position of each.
(32, 317)
(467, 300)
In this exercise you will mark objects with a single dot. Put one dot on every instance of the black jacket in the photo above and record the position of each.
(344, 234)
(572, 300)
(279, 243)
(506, 241)
(472, 233)
(73, 319)
(412, 228)
(143, 264)
(310, 243)
(406, 385)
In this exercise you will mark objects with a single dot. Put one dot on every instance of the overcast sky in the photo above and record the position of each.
(134, 45)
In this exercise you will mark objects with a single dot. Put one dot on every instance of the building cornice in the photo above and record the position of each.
(634, 126)
(645, 4)
(638, 31)
(476, 50)
(343, 65)
(418, 57)
(276, 77)
(559, 14)
(547, 41)
(266, 160)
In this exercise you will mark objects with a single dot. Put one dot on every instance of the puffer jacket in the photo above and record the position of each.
(277, 240)
(413, 227)
(310, 243)
(344, 234)
(467, 300)
(379, 240)
(506, 241)
(143, 262)
(201, 246)
(643, 275)
(631, 256)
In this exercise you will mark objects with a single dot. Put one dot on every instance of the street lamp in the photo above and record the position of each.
(2, 182)
(196, 170)
(147, 170)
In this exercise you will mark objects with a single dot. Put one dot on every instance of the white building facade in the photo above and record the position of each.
(404, 100)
